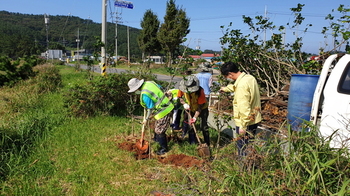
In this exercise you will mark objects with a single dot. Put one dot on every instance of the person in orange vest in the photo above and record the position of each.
(193, 99)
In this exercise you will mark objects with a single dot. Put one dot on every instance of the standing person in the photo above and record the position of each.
(246, 103)
(155, 102)
(192, 97)
(205, 78)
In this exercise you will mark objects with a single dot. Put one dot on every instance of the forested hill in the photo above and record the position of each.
(26, 34)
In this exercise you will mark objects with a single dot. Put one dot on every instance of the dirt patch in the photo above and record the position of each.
(131, 147)
(180, 160)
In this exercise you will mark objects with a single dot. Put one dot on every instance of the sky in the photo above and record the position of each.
(206, 16)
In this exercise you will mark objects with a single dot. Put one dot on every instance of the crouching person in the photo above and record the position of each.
(156, 103)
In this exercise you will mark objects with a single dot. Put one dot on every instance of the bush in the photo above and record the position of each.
(13, 71)
(48, 78)
(104, 95)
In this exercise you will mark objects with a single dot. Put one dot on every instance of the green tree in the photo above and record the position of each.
(270, 60)
(173, 30)
(147, 38)
(339, 29)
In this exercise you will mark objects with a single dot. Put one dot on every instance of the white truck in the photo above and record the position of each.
(331, 101)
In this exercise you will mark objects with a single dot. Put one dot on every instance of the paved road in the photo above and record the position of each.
(162, 77)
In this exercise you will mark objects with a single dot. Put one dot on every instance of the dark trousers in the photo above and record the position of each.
(243, 141)
(203, 127)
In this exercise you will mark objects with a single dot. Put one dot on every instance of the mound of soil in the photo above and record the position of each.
(131, 147)
(180, 160)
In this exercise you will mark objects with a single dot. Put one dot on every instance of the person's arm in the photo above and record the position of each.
(182, 101)
(228, 88)
(149, 105)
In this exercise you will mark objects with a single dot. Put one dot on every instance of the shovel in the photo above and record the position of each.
(203, 149)
(142, 144)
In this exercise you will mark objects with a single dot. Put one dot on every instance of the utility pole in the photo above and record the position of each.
(47, 21)
(128, 46)
(123, 4)
(78, 40)
(116, 33)
(103, 37)
(116, 36)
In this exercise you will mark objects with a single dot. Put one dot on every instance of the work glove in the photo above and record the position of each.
(186, 106)
(193, 120)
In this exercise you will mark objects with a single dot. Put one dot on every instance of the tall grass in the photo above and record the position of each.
(25, 120)
(64, 155)
(308, 166)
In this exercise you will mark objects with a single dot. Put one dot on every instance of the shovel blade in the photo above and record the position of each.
(203, 150)
(142, 145)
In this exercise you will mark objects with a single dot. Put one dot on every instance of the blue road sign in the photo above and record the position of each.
(124, 4)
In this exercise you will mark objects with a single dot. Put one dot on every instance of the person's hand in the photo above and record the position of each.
(222, 89)
(144, 121)
(241, 131)
(193, 120)
(186, 106)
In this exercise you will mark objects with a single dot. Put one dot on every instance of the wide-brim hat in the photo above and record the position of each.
(134, 84)
(206, 69)
(189, 84)
(205, 66)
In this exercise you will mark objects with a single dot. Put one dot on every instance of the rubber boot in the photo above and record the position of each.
(206, 137)
(162, 140)
(192, 137)
(185, 128)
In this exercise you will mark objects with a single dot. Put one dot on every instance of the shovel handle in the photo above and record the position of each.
(194, 127)
(142, 134)
(143, 127)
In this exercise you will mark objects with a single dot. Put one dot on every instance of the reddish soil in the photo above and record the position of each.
(131, 146)
(180, 160)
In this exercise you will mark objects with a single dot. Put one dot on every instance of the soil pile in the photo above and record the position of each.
(180, 160)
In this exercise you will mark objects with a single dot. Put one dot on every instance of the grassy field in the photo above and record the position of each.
(66, 155)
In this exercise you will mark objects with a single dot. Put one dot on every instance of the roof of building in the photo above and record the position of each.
(210, 55)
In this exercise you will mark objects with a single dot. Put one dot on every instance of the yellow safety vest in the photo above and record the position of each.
(163, 105)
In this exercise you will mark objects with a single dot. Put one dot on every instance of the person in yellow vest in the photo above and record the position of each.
(192, 97)
(156, 103)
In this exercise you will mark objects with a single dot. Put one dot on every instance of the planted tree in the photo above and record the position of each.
(173, 30)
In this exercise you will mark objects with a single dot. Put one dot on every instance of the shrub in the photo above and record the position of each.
(104, 95)
(48, 78)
